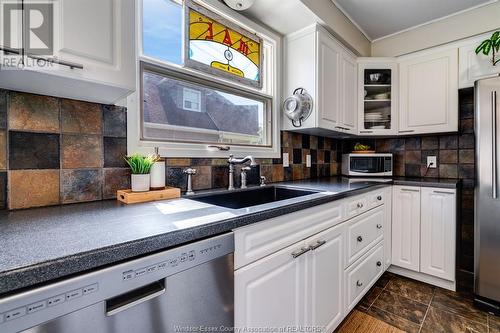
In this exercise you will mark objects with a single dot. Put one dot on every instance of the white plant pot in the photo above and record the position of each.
(140, 183)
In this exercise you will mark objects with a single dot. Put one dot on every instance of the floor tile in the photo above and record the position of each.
(33, 151)
(33, 113)
(81, 151)
(81, 185)
(3, 150)
(80, 117)
(418, 291)
(3, 108)
(3, 189)
(359, 322)
(442, 321)
(33, 188)
(370, 297)
(394, 320)
(401, 306)
(461, 304)
(115, 179)
(384, 279)
(494, 324)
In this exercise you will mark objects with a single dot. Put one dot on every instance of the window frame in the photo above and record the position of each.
(272, 46)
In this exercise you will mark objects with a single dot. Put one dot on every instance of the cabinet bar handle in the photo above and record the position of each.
(300, 252)
(9, 50)
(494, 172)
(443, 192)
(407, 131)
(69, 64)
(365, 131)
(318, 244)
(409, 190)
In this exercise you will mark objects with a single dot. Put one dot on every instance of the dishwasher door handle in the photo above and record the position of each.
(135, 297)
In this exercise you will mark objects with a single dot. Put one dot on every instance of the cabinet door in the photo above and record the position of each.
(429, 93)
(388, 227)
(271, 292)
(474, 66)
(406, 227)
(348, 107)
(97, 34)
(326, 270)
(329, 55)
(437, 234)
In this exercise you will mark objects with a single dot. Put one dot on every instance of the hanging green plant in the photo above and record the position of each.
(491, 44)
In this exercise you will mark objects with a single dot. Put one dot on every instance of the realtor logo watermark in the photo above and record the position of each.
(27, 33)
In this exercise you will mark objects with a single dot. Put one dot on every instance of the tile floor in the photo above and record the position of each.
(398, 304)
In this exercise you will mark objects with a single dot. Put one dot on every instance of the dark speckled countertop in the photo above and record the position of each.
(44, 244)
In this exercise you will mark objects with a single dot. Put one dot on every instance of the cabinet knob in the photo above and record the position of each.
(360, 205)
(379, 198)
(379, 226)
(359, 284)
(360, 239)
(379, 263)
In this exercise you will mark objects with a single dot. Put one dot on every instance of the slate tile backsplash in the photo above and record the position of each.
(52, 150)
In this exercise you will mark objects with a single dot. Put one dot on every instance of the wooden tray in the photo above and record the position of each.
(363, 152)
(129, 197)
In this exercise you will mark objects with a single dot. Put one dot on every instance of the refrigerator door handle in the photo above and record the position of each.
(494, 173)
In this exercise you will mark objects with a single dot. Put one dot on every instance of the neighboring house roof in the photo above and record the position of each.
(163, 104)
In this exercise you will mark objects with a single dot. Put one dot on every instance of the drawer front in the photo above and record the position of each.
(363, 232)
(356, 206)
(361, 277)
(376, 198)
(261, 239)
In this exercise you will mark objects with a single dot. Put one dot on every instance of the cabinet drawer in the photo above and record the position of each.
(376, 198)
(362, 275)
(363, 232)
(356, 206)
(261, 239)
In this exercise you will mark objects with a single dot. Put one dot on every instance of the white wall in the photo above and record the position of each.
(453, 28)
(338, 24)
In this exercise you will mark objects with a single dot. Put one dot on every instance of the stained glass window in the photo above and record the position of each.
(221, 48)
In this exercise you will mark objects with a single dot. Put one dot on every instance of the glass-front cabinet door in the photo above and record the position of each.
(377, 96)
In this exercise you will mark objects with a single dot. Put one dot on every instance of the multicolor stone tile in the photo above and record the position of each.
(203, 178)
(33, 188)
(115, 121)
(459, 303)
(3, 108)
(448, 156)
(33, 113)
(115, 179)
(115, 150)
(443, 321)
(3, 150)
(175, 177)
(80, 117)
(3, 189)
(401, 306)
(418, 291)
(33, 151)
(81, 185)
(394, 320)
(220, 176)
(81, 151)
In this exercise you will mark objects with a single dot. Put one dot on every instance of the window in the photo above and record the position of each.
(171, 111)
(196, 89)
(191, 99)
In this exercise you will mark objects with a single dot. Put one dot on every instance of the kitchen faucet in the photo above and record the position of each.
(232, 161)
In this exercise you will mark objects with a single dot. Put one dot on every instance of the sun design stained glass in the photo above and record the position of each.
(225, 50)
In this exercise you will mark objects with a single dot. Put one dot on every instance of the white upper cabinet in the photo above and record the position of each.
(475, 66)
(93, 53)
(406, 227)
(438, 232)
(429, 92)
(327, 70)
(377, 96)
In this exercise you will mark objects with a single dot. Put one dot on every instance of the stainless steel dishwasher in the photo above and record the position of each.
(185, 289)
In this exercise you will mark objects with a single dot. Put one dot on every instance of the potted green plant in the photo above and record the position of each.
(491, 44)
(140, 167)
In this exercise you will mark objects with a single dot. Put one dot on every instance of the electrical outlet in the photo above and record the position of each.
(431, 162)
(286, 160)
(308, 161)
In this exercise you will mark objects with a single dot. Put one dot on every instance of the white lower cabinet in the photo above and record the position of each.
(438, 233)
(270, 292)
(424, 234)
(316, 280)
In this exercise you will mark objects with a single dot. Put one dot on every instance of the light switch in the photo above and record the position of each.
(431, 162)
(286, 160)
(308, 161)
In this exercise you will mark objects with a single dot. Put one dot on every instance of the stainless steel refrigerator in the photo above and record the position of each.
(487, 205)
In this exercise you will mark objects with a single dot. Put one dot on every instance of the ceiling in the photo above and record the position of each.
(380, 18)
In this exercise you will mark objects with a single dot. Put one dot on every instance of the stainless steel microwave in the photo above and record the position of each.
(375, 165)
